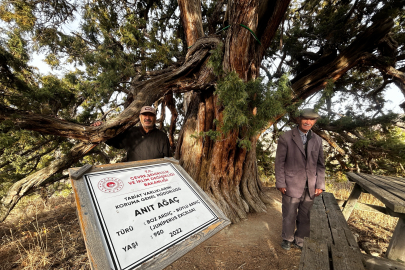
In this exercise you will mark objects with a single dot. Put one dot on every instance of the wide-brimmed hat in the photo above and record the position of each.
(148, 109)
(309, 113)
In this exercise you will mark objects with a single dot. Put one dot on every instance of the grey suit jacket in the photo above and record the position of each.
(293, 167)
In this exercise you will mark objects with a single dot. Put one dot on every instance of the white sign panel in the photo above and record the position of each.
(144, 210)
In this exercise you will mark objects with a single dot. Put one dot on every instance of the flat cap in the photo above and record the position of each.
(309, 113)
(148, 109)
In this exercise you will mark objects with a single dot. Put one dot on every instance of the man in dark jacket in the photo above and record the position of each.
(144, 141)
(300, 176)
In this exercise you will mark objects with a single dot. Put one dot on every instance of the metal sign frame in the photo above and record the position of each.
(100, 247)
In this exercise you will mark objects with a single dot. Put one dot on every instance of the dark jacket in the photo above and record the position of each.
(294, 165)
(141, 145)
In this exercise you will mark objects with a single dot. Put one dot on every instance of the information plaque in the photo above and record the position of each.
(146, 214)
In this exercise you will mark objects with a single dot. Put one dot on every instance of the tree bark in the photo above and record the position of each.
(171, 105)
(226, 171)
(191, 17)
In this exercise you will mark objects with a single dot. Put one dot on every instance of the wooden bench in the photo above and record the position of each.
(390, 191)
(331, 244)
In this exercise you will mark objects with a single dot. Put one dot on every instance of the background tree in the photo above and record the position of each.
(241, 67)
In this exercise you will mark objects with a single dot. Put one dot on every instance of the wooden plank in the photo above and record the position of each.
(316, 215)
(92, 236)
(388, 185)
(377, 263)
(355, 254)
(345, 251)
(396, 248)
(319, 228)
(314, 256)
(338, 258)
(76, 174)
(346, 258)
(333, 208)
(395, 195)
(397, 180)
(378, 209)
(326, 233)
(333, 219)
(387, 198)
(351, 201)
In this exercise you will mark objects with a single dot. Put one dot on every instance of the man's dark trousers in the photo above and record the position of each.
(291, 208)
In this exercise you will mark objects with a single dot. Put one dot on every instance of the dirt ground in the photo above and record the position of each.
(46, 235)
(250, 244)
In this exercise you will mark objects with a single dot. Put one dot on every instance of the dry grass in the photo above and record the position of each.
(43, 235)
(373, 230)
(46, 234)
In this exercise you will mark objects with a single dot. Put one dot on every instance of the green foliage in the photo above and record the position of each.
(250, 106)
(327, 94)
(212, 134)
(117, 43)
(215, 61)
(266, 160)
(351, 122)
(23, 152)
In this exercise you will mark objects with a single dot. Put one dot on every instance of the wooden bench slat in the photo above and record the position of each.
(315, 255)
(344, 242)
(391, 201)
(329, 229)
(320, 229)
(384, 183)
(346, 258)
(338, 258)
(397, 180)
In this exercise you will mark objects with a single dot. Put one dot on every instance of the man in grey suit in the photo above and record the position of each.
(300, 177)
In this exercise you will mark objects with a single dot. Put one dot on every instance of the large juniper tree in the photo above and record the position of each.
(239, 67)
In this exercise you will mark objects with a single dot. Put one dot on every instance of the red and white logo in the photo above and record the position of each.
(110, 185)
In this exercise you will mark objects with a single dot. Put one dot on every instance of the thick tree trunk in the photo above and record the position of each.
(227, 172)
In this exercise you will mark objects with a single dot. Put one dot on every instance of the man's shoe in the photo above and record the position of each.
(297, 246)
(286, 245)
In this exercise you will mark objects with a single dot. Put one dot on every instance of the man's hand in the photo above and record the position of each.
(283, 190)
(97, 123)
(318, 192)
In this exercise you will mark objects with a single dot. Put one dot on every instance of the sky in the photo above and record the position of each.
(393, 94)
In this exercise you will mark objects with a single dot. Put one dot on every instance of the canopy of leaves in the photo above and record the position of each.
(100, 52)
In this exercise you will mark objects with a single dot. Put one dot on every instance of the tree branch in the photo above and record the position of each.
(329, 140)
(40, 178)
(317, 75)
(191, 75)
